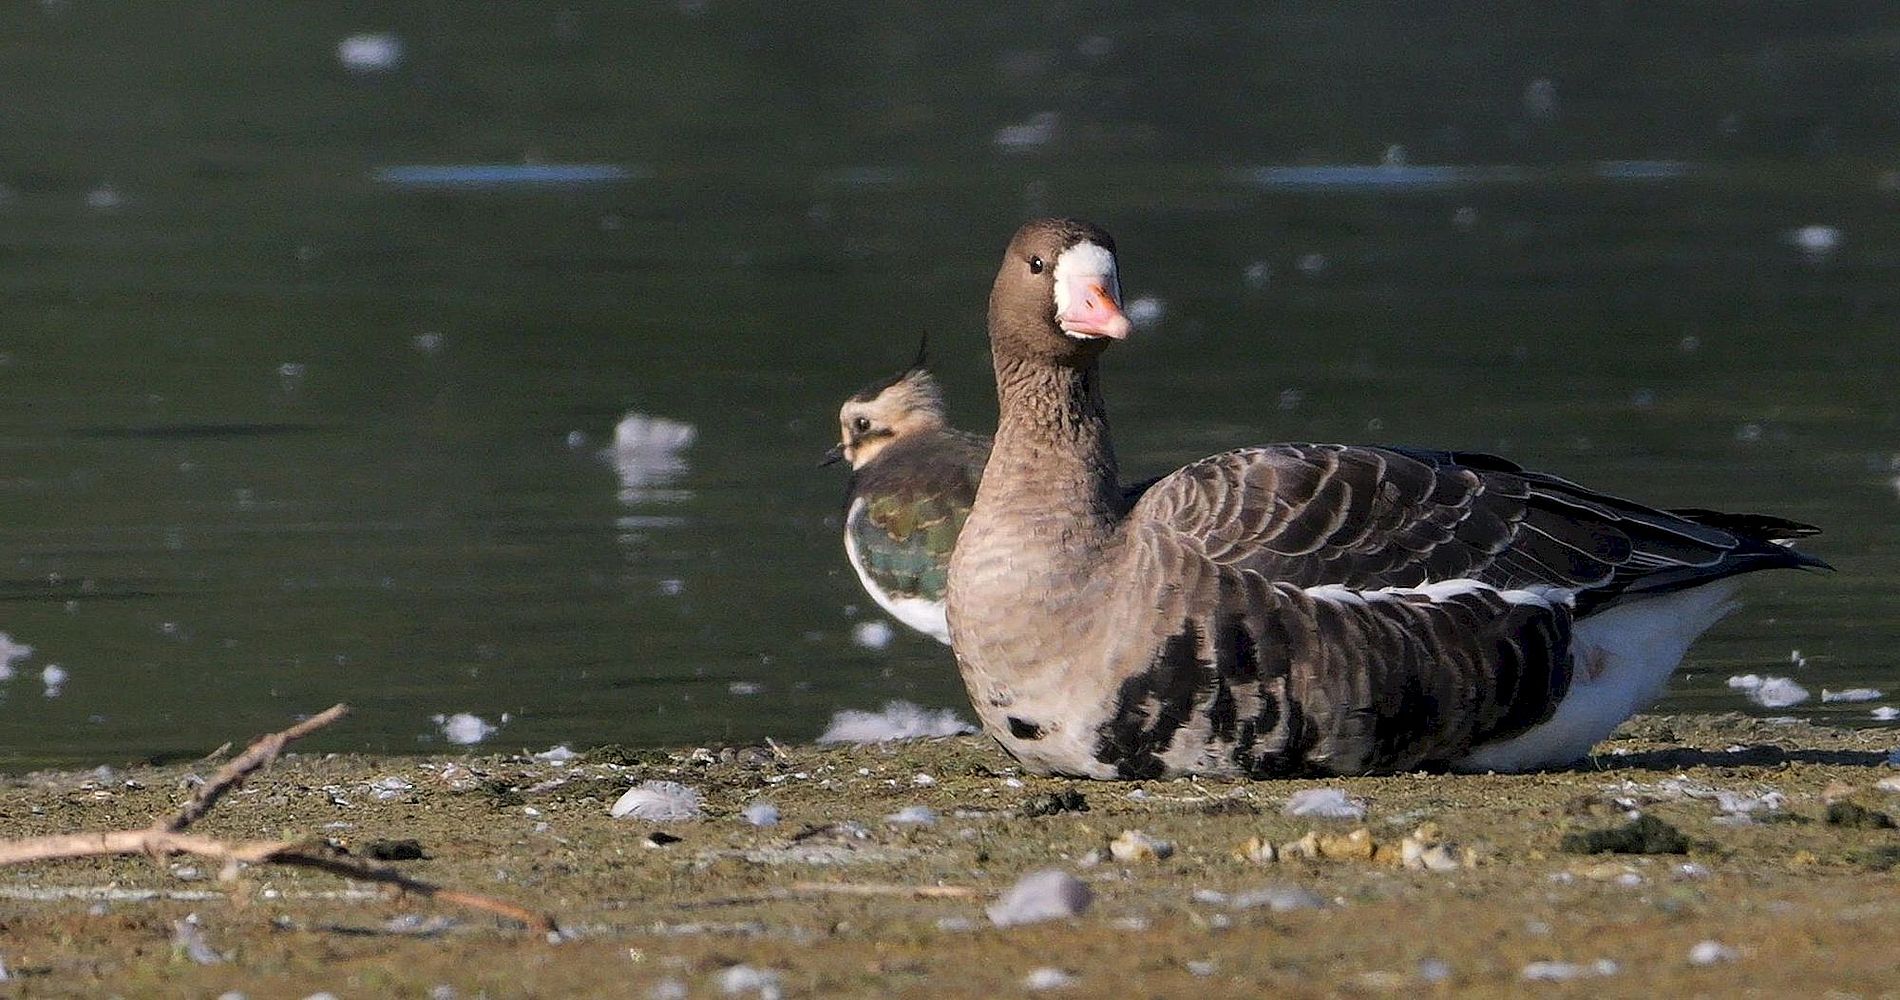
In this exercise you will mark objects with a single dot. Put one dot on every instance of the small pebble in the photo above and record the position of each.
(1278, 899)
(760, 813)
(1711, 953)
(667, 989)
(913, 816)
(738, 980)
(1134, 845)
(1202, 967)
(1049, 894)
(1047, 978)
(1558, 972)
(188, 939)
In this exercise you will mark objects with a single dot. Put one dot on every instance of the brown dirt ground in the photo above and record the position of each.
(1807, 907)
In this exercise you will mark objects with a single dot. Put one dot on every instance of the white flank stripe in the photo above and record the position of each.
(925, 616)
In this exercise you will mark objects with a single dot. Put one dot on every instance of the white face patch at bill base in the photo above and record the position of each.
(1078, 267)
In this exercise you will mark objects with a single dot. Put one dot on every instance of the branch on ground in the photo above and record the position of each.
(168, 836)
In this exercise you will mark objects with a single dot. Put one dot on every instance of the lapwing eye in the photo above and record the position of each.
(861, 425)
(1035, 265)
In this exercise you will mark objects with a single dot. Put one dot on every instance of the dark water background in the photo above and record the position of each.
(277, 432)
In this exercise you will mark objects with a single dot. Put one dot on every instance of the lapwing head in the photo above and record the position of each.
(885, 412)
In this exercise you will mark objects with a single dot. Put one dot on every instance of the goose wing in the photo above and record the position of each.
(1367, 518)
(1264, 677)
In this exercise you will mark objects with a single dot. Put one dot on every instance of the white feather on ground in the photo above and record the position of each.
(658, 802)
(898, 720)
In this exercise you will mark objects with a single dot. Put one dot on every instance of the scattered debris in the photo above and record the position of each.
(1643, 835)
(899, 720)
(1134, 845)
(1815, 242)
(739, 980)
(1560, 972)
(1028, 135)
(1048, 894)
(1278, 899)
(1424, 849)
(188, 941)
(874, 634)
(1774, 692)
(11, 652)
(374, 52)
(646, 457)
(1324, 803)
(1258, 850)
(395, 850)
(465, 729)
(760, 813)
(913, 816)
(658, 802)
(1053, 803)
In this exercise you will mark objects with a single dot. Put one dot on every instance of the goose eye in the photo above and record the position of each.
(1035, 265)
(861, 425)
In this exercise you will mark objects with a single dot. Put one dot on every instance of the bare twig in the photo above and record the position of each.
(231, 775)
(806, 890)
(883, 889)
(167, 836)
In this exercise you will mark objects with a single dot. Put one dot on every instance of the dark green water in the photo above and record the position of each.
(274, 433)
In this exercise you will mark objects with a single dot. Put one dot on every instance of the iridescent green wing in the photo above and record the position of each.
(904, 540)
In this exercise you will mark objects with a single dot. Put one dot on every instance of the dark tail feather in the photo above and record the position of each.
(1764, 528)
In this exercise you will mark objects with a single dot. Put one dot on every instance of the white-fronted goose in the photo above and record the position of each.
(913, 479)
(1298, 608)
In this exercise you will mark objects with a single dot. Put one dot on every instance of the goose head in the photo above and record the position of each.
(1057, 297)
(885, 412)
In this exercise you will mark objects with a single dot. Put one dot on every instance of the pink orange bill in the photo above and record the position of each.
(1093, 312)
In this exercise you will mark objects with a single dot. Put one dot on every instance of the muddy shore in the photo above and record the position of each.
(1787, 881)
